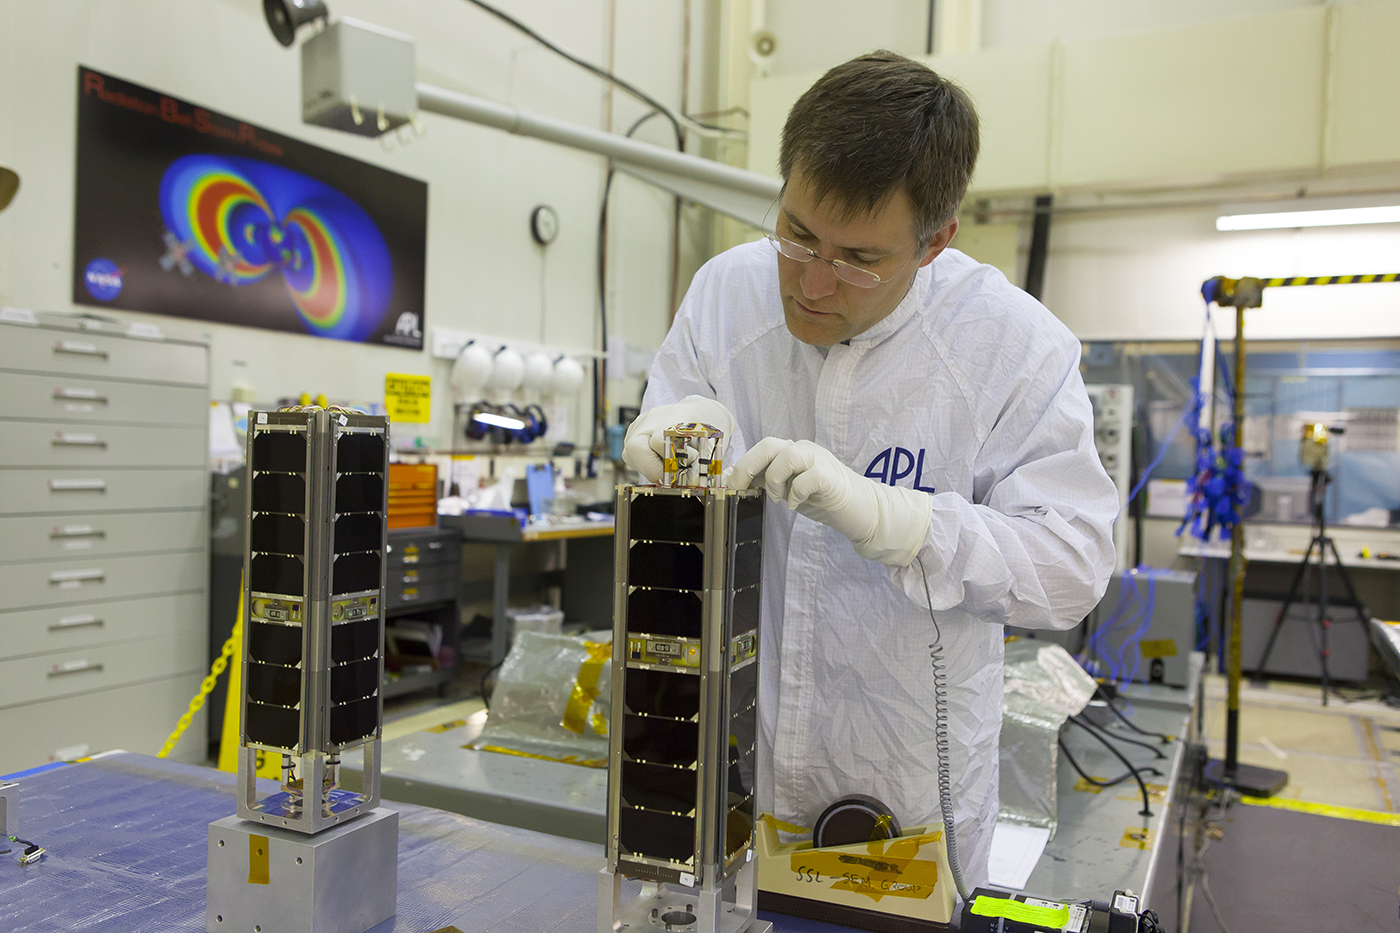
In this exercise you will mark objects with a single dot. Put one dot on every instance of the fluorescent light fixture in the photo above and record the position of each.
(1310, 212)
(498, 421)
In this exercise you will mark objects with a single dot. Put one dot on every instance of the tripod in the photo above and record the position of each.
(1317, 499)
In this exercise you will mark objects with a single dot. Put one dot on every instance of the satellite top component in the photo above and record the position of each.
(313, 662)
(685, 700)
(691, 455)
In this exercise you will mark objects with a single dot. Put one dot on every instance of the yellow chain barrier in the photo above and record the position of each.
(205, 688)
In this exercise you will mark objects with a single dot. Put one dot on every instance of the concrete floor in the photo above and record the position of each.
(1343, 754)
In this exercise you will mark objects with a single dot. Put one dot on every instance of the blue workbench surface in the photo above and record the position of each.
(126, 837)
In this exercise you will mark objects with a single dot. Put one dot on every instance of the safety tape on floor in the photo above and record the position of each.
(1325, 809)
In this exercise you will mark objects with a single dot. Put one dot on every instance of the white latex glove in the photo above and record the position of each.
(885, 523)
(644, 444)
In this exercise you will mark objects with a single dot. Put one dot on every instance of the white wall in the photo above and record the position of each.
(1138, 277)
(484, 273)
(1134, 273)
(814, 35)
(1024, 22)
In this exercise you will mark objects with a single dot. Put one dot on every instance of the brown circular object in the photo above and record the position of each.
(852, 820)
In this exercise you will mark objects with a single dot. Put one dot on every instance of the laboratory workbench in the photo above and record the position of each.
(127, 840)
(505, 532)
(1100, 845)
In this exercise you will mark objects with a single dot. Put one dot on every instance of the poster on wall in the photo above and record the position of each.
(184, 211)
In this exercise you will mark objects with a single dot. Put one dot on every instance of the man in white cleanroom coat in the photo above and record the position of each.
(920, 417)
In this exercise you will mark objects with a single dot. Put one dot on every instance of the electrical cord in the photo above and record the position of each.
(485, 696)
(1112, 782)
(1149, 922)
(599, 384)
(676, 119)
(1146, 801)
(940, 723)
(32, 850)
(1199, 865)
(1123, 738)
(1166, 739)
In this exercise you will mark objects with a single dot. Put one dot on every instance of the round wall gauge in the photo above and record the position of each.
(544, 224)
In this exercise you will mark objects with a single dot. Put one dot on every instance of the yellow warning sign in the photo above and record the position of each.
(1158, 648)
(408, 397)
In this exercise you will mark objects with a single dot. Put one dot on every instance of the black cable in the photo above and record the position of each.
(481, 688)
(1118, 737)
(603, 73)
(1114, 782)
(600, 367)
(1166, 739)
(32, 850)
(1146, 801)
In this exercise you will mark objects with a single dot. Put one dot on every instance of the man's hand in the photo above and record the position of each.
(884, 523)
(645, 443)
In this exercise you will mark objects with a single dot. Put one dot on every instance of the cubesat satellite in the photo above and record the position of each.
(312, 856)
(684, 698)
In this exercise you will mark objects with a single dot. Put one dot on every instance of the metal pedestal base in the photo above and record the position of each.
(671, 909)
(341, 880)
(1250, 780)
(9, 809)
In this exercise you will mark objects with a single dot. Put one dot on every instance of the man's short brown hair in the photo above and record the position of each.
(878, 123)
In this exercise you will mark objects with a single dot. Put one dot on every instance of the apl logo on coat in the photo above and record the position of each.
(103, 279)
(895, 463)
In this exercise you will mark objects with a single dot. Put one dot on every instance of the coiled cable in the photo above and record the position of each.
(940, 725)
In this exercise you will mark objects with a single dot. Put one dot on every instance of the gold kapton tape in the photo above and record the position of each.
(563, 759)
(258, 847)
(585, 690)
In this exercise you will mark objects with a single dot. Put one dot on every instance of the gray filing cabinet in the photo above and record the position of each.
(103, 538)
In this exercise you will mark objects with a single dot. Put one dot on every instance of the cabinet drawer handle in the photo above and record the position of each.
(76, 622)
(434, 545)
(86, 395)
(74, 667)
(77, 531)
(77, 440)
(80, 348)
(74, 485)
(76, 576)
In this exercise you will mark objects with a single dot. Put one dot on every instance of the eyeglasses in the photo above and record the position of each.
(853, 275)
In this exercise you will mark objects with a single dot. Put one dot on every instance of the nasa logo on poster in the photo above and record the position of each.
(103, 279)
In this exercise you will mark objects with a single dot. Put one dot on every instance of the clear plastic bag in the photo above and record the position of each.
(552, 699)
